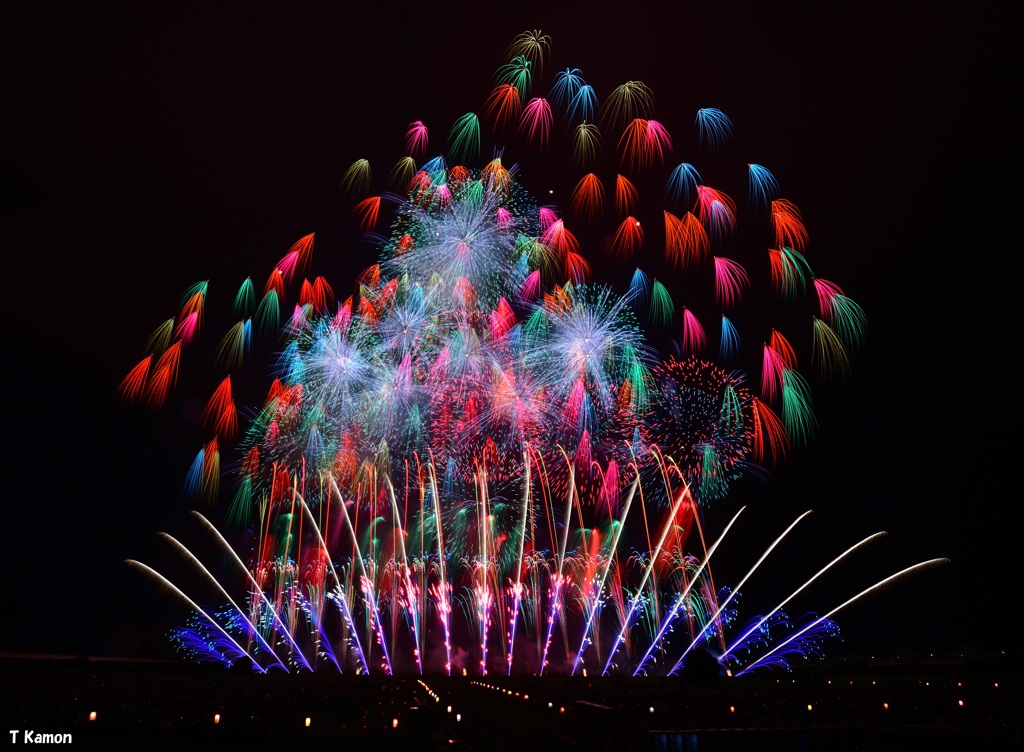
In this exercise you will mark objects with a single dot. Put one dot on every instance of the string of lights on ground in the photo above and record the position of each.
(869, 706)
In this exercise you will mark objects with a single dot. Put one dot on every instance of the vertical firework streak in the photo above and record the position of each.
(478, 375)
(556, 600)
(517, 584)
(483, 596)
(636, 603)
(681, 600)
(599, 587)
(339, 595)
(411, 592)
(365, 583)
(442, 591)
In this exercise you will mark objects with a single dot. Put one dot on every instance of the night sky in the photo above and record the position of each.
(147, 148)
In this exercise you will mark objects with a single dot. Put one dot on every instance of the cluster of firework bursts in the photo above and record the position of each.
(478, 461)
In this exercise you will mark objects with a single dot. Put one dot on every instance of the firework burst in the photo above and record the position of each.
(480, 460)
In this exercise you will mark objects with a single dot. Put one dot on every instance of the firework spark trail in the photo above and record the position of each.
(340, 600)
(280, 626)
(741, 639)
(443, 591)
(483, 598)
(411, 609)
(737, 588)
(635, 603)
(323, 640)
(365, 582)
(208, 576)
(863, 593)
(681, 598)
(555, 603)
(599, 588)
(518, 582)
(146, 569)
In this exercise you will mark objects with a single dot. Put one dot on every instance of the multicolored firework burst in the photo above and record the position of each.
(479, 460)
